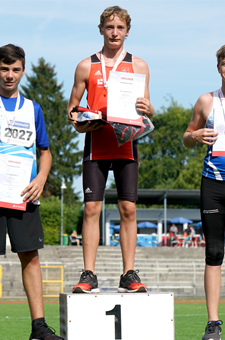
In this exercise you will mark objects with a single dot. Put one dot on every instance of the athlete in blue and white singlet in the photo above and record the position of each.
(209, 111)
(29, 118)
(214, 167)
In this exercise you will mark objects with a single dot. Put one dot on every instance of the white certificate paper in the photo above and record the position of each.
(219, 145)
(123, 91)
(15, 175)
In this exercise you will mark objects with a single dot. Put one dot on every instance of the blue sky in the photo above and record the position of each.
(178, 39)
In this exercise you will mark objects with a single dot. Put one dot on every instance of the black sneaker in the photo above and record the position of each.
(131, 283)
(41, 331)
(213, 330)
(88, 283)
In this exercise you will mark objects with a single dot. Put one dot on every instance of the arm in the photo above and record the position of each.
(196, 131)
(143, 104)
(34, 190)
(79, 86)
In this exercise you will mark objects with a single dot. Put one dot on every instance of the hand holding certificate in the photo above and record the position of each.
(123, 91)
(15, 175)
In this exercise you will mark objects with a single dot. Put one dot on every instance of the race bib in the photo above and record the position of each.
(21, 133)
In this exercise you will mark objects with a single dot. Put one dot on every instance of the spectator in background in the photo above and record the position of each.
(75, 238)
(193, 237)
(185, 235)
(174, 230)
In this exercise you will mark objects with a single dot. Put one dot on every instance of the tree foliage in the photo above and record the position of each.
(50, 212)
(42, 87)
(165, 163)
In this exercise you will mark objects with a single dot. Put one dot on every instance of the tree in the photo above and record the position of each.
(72, 219)
(42, 87)
(190, 177)
(165, 163)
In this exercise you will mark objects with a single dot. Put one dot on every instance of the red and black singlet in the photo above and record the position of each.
(102, 143)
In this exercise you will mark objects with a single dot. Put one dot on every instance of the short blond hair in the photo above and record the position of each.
(115, 11)
(220, 54)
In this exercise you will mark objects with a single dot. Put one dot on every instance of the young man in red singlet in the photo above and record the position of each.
(209, 111)
(102, 153)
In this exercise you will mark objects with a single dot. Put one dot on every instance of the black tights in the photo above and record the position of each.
(213, 219)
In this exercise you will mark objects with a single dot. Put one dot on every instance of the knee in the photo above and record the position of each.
(92, 209)
(29, 258)
(128, 210)
(214, 256)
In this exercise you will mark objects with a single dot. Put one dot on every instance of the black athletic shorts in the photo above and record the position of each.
(213, 219)
(95, 174)
(24, 229)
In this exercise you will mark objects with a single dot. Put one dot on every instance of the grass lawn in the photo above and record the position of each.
(190, 320)
(15, 323)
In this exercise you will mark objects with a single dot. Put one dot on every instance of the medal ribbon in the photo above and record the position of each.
(2, 108)
(120, 58)
(222, 100)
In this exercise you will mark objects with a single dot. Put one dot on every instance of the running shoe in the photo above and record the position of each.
(88, 283)
(213, 330)
(131, 283)
(41, 331)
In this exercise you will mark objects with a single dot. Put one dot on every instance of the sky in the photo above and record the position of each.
(177, 38)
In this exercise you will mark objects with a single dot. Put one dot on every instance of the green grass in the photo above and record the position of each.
(190, 320)
(15, 323)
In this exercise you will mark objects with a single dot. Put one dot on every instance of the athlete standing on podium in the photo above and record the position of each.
(102, 153)
(209, 111)
(22, 129)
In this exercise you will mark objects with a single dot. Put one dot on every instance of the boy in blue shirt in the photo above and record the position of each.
(22, 129)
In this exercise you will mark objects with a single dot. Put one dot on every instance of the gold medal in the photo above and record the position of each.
(105, 91)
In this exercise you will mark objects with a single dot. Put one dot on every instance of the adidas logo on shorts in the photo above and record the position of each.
(88, 191)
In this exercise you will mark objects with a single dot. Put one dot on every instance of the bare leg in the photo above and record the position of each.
(90, 233)
(212, 290)
(32, 281)
(128, 233)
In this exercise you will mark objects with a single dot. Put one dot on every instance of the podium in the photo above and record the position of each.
(129, 316)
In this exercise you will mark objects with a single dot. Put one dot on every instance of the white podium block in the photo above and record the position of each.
(129, 316)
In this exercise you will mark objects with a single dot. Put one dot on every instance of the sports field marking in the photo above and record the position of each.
(26, 301)
(21, 317)
(194, 301)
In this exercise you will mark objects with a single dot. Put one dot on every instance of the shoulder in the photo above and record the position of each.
(140, 66)
(204, 104)
(205, 99)
(84, 65)
(83, 69)
(37, 107)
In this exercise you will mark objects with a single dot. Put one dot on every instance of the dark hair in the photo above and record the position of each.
(10, 53)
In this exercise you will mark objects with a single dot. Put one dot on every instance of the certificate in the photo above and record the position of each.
(123, 90)
(218, 148)
(15, 175)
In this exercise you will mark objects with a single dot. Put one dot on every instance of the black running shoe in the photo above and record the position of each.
(88, 283)
(41, 331)
(213, 330)
(131, 283)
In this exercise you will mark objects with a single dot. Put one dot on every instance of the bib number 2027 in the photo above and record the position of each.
(116, 311)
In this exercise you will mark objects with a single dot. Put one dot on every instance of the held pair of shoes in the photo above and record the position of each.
(129, 283)
(41, 331)
(213, 330)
